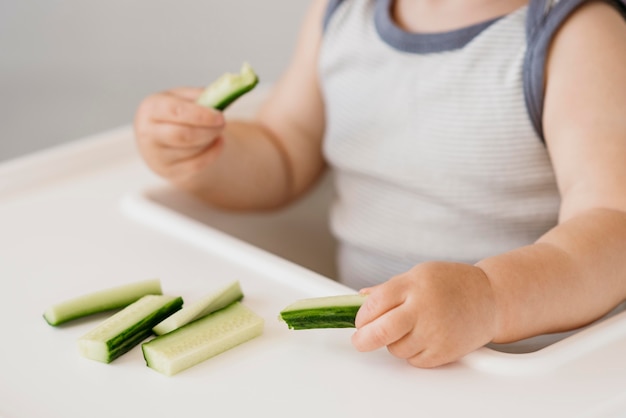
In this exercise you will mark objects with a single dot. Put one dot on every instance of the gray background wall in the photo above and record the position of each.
(71, 68)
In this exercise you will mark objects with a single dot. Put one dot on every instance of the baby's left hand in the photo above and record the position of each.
(431, 315)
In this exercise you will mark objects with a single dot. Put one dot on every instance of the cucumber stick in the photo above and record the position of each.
(210, 303)
(119, 333)
(101, 301)
(202, 339)
(228, 88)
(324, 312)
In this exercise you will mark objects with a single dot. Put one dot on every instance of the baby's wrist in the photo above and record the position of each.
(494, 326)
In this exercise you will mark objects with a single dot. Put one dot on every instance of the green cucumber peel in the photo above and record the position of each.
(323, 312)
(228, 87)
(100, 301)
(127, 328)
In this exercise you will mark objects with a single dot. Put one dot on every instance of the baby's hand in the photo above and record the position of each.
(432, 315)
(177, 137)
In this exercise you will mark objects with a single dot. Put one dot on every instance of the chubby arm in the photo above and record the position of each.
(261, 163)
(438, 312)
(577, 271)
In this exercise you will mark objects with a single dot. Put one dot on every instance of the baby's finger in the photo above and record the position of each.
(368, 290)
(187, 168)
(409, 346)
(177, 136)
(174, 155)
(187, 93)
(385, 330)
(172, 109)
(380, 299)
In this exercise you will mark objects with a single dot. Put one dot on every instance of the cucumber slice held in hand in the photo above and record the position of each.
(100, 301)
(323, 312)
(127, 328)
(208, 304)
(228, 88)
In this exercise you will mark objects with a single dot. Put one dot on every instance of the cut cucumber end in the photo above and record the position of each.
(100, 301)
(208, 304)
(228, 88)
(93, 349)
(202, 339)
(121, 332)
(323, 312)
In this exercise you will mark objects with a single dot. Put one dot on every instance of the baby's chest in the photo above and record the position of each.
(413, 131)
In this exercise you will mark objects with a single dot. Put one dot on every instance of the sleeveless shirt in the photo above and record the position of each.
(435, 140)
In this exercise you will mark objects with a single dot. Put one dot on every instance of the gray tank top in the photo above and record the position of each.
(435, 140)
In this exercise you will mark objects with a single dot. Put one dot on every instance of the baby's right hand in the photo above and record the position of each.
(177, 137)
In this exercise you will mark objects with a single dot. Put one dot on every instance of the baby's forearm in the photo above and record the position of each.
(571, 276)
(251, 172)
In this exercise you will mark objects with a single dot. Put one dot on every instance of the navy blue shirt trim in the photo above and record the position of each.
(542, 25)
(330, 10)
(422, 43)
(543, 21)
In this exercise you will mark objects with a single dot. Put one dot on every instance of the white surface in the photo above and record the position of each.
(84, 217)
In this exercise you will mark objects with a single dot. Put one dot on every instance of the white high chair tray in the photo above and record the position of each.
(90, 215)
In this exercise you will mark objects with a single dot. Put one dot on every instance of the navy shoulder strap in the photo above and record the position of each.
(544, 19)
(330, 9)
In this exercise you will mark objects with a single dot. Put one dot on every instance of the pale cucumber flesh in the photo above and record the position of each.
(202, 339)
(127, 328)
(228, 88)
(100, 301)
(323, 312)
(210, 303)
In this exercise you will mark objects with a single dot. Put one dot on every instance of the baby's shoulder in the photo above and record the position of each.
(547, 17)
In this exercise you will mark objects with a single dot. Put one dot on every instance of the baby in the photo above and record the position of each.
(477, 148)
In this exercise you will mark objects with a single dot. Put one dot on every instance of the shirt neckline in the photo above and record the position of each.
(423, 43)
